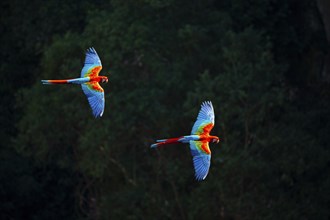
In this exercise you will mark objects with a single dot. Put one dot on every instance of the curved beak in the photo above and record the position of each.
(215, 140)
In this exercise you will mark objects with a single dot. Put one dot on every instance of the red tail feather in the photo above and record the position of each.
(167, 141)
(55, 81)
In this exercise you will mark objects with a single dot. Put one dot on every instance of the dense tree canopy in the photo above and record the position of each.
(260, 62)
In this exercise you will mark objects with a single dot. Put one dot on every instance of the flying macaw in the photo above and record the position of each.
(89, 80)
(198, 140)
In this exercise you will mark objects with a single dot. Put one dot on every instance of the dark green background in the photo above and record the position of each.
(262, 63)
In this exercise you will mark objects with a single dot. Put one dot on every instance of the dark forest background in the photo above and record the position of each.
(264, 64)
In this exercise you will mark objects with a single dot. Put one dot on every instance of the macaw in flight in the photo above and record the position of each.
(89, 80)
(198, 140)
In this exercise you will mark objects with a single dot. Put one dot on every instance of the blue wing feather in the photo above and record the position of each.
(201, 165)
(201, 160)
(205, 116)
(96, 100)
(91, 60)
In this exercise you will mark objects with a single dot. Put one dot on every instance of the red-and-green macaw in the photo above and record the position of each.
(198, 140)
(89, 80)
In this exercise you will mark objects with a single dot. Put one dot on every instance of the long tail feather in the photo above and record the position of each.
(66, 81)
(168, 141)
(162, 140)
(154, 145)
(54, 81)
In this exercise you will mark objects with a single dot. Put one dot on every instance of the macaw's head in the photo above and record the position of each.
(215, 139)
(104, 79)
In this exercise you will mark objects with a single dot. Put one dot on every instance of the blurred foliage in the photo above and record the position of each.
(258, 61)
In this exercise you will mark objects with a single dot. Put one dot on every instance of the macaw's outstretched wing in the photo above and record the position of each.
(201, 158)
(92, 65)
(95, 96)
(205, 119)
